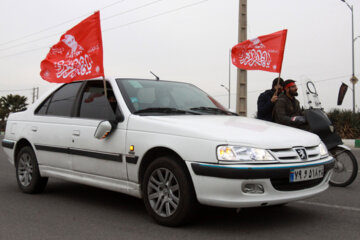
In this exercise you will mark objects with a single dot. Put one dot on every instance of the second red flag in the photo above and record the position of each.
(261, 53)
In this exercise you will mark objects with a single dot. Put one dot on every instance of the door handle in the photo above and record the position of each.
(34, 129)
(76, 133)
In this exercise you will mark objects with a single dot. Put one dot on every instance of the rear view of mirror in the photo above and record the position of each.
(103, 130)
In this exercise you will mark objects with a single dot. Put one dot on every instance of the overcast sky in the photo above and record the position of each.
(186, 40)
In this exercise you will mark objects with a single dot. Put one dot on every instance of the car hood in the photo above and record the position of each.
(225, 129)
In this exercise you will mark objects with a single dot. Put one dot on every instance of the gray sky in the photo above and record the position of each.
(190, 44)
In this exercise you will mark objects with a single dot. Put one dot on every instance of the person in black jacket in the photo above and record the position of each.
(287, 109)
(267, 99)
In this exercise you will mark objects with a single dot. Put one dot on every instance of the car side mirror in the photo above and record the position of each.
(103, 130)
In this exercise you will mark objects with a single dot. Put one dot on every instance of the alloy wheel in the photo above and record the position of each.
(25, 169)
(163, 192)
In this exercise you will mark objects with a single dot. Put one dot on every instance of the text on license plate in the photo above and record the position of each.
(304, 174)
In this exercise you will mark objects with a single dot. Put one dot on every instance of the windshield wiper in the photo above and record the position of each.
(213, 110)
(166, 110)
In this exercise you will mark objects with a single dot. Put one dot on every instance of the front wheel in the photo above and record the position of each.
(168, 192)
(346, 167)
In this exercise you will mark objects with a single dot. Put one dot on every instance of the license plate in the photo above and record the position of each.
(304, 174)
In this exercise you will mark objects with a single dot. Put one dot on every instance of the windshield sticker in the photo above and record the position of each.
(135, 84)
(134, 99)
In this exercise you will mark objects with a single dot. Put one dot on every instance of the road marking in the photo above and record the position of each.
(330, 206)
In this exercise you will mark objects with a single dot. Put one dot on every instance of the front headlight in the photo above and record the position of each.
(323, 150)
(237, 153)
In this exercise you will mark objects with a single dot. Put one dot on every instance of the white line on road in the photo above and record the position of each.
(330, 206)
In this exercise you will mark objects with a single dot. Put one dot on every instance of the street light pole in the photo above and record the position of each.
(353, 79)
(353, 58)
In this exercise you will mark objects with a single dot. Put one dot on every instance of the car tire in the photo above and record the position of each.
(168, 192)
(346, 167)
(27, 172)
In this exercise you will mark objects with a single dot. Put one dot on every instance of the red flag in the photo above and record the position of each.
(78, 55)
(262, 53)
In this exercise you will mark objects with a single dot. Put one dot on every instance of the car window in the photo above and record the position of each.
(61, 102)
(94, 103)
(43, 107)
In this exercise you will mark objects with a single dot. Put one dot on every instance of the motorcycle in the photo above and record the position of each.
(346, 166)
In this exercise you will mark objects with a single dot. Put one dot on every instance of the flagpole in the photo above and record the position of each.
(105, 90)
(278, 82)
(229, 74)
(282, 57)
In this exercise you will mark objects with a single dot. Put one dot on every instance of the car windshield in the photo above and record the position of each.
(151, 97)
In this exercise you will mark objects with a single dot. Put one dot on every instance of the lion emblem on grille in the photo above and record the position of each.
(302, 153)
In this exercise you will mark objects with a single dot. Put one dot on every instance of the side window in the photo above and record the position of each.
(43, 107)
(94, 103)
(62, 100)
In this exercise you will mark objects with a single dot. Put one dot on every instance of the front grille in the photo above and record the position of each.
(289, 155)
(283, 184)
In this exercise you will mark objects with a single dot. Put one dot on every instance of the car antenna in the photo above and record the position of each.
(157, 78)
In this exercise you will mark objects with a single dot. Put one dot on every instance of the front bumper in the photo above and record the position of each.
(222, 185)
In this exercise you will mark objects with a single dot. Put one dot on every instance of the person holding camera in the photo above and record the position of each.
(267, 99)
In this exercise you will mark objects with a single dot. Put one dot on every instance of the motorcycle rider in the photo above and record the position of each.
(287, 109)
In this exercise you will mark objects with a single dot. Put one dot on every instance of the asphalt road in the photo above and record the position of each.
(72, 211)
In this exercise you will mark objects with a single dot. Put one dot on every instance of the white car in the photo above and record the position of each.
(166, 142)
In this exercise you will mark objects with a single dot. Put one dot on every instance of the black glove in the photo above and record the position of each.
(298, 120)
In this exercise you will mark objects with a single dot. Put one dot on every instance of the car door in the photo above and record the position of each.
(101, 157)
(52, 127)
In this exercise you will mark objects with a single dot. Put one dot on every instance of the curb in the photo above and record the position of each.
(353, 143)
